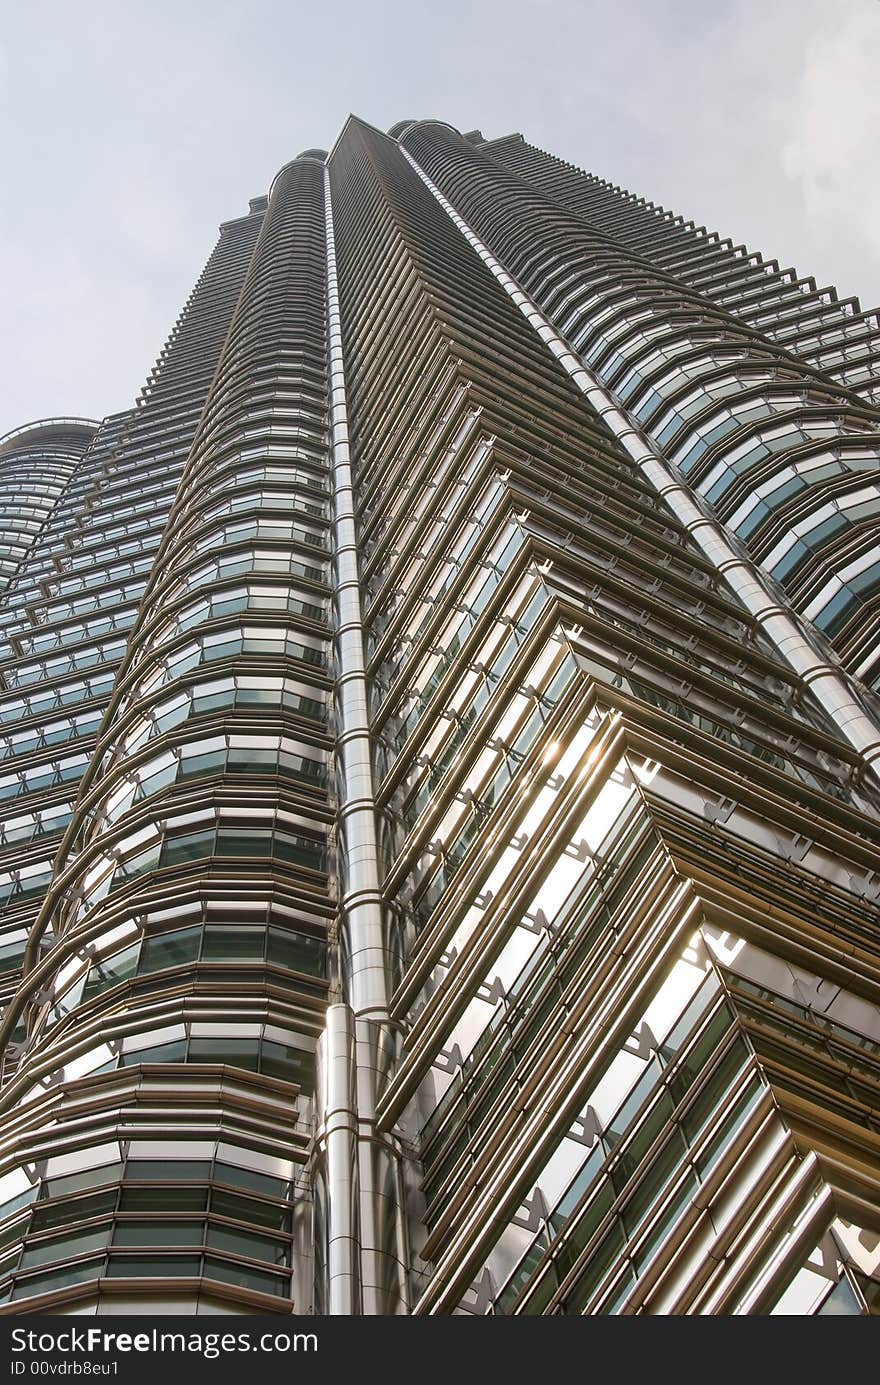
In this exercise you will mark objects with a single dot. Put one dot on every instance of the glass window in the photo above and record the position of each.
(248, 1243)
(239, 1053)
(160, 1053)
(14, 1204)
(248, 1276)
(297, 951)
(57, 1279)
(840, 1302)
(227, 944)
(51, 1214)
(61, 1247)
(243, 842)
(168, 1170)
(164, 1199)
(158, 1232)
(250, 1178)
(112, 970)
(153, 1266)
(88, 1178)
(290, 1064)
(191, 847)
(249, 1209)
(170, 949)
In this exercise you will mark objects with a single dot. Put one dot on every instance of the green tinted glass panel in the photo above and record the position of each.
(88, 1178)
(248, 1276)
(75, 1210)
(58, 1279)
(249, 1209)
(170, 949)
(238, 1053)
(171, 1170)
(153, 1266)
(229, 944)
(164, 1199)
(290, 1064)
(247, 1243)
(250, 1178)
(64, 1247)
(158, 1232)
(297, 951)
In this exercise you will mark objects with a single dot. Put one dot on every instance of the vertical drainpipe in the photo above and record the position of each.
(829, 684)
(356, 1224)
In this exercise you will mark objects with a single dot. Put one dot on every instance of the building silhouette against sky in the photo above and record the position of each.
(439, 808)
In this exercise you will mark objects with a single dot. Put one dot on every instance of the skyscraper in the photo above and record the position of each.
(441, 717)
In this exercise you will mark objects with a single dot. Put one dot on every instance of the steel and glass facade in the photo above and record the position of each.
(442, 725)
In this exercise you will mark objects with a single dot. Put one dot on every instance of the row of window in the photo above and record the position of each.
(261, 641)
(50, 733)
(623, 1174)
(36, 778)
(117, 619)
(237, 601)
(434, 667)
(280, 947)
(552, 961)
(54, 670)
(128, 1266)
(849, 599)
(131, 859)
(239, 693)
(217, 755)
(41, 822)
(288, 1062)
(282, 562)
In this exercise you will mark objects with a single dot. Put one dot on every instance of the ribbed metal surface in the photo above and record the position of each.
(787, 455)
(468, 894)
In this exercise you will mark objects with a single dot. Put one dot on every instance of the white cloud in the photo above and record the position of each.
(129, 134)
(830, 149)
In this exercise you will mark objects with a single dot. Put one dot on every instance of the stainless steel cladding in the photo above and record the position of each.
(442, 725)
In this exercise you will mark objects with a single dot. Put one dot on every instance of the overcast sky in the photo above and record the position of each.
(129, 131)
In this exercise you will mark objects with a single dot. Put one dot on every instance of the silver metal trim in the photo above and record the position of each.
(365, 974)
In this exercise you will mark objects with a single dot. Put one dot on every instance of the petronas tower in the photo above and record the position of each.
(440, 792)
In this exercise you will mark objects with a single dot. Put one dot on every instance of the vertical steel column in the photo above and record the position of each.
(338, 1129)
(363, 953)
